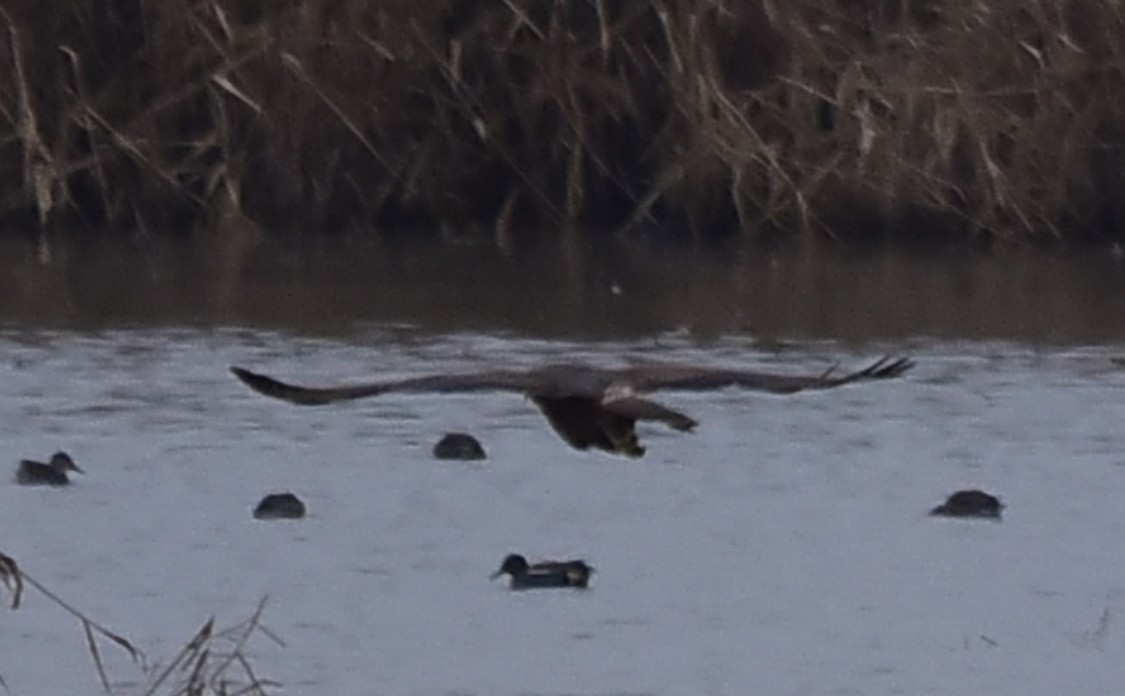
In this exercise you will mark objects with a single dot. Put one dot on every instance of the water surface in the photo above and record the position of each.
(607, 291)
(782, 549)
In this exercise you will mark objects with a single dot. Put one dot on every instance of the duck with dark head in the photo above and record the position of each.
(52, 473)
(546, 574)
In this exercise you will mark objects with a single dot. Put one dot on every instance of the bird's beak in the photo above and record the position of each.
(496, 575)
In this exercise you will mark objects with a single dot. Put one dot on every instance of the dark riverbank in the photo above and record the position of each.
(593, 291)
(601, 118)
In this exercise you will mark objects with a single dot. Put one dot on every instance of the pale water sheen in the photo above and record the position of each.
(782, 549)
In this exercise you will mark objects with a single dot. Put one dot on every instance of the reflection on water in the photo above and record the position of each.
(607, 291)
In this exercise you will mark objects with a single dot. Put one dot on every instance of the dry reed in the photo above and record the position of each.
(871, 119)
(212, 663)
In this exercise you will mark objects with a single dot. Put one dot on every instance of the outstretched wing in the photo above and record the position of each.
(446, 384)
(644, 379)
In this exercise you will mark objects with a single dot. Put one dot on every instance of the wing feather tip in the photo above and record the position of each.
(893, 367)
(268, 385)
(250, 379)
(886, 367)
(687, 425)
(241, 372)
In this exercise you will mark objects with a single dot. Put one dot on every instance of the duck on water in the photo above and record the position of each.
(459, 446)
(279, 506)
(53, 473)
(970, 503)
(545, 574)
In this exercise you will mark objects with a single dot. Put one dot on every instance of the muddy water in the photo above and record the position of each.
(606, 291)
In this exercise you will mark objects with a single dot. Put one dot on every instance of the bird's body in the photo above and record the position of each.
(459, 446)
(970, 503)
(279, 506)
(52, 473)
(589, 407)
(545, 574)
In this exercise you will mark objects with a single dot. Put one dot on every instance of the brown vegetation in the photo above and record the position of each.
(212, 663)
(851, 118)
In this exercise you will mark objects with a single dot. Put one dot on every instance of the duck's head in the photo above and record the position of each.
(514, 564)
(623, 438)
(61, 461)
(630, 445)
(578, 573)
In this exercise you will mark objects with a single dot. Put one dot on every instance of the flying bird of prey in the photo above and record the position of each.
(589, 407)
